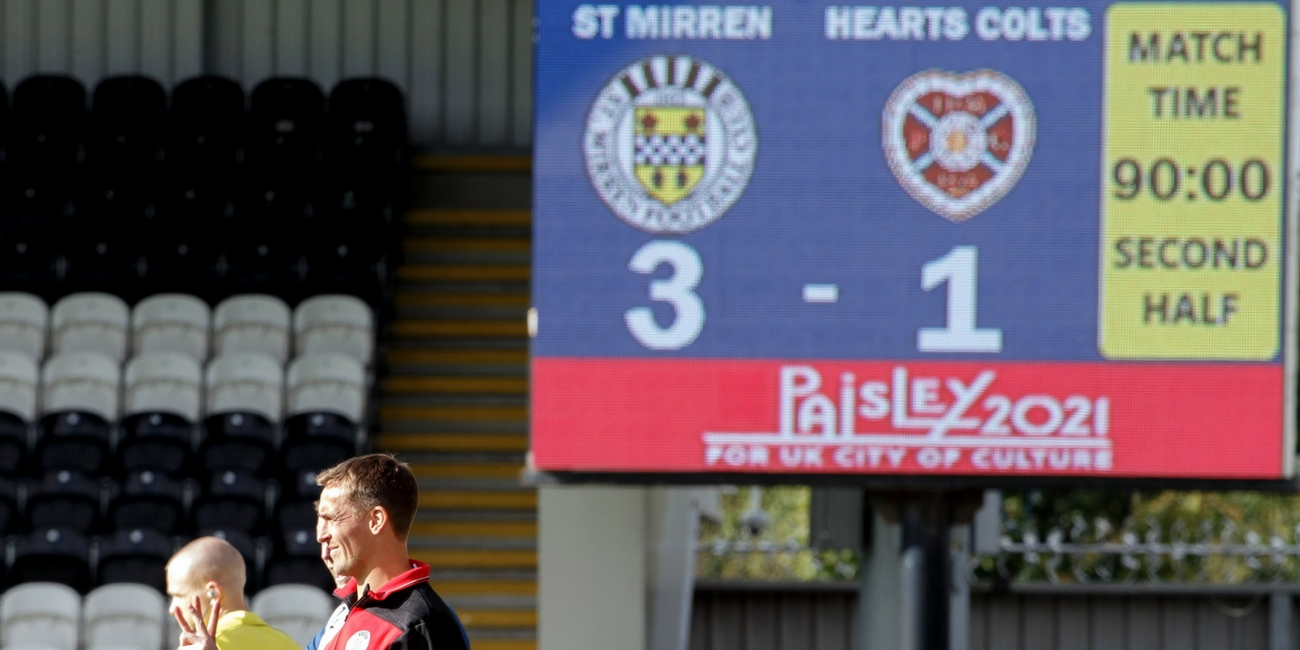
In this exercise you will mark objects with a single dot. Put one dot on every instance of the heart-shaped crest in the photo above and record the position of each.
(958, 142)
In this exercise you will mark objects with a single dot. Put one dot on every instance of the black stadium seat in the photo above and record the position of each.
(232, 501)
(99, 258)
(149, 500)
(206, 123)
(13, 444)
(181, 258)
(52, 555)
(366, 129)
(28, 256)
(8, 506)
(48, 123)
(239, 441)
(156, 442)
(297, 553)
(127, 119)
(284, 127)
(74, 440)
(139, 555)
(64, 499)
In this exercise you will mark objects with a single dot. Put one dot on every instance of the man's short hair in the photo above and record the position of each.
(378, 480)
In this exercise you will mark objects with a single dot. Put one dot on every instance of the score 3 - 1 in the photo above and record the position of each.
(958, 269)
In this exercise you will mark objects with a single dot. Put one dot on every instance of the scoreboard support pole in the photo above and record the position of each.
(923, 576)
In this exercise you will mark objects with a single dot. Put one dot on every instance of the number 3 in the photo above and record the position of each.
(677, 290)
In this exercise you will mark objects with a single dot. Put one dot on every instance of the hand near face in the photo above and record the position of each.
(202, 636)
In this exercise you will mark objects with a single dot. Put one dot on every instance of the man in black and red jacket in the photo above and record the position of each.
(365, 512)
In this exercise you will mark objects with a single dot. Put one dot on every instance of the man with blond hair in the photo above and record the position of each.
(205, 580)
(364, 515)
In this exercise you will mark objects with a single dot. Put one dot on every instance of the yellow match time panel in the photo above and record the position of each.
(1192, 210)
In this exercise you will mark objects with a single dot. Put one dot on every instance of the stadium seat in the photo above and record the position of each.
(327, 382)
(100, 259)
(326, 407)
(180, 257)
(18, 381)
(244, 407)
(161, 408)
(51, 555)
(297, 610)
(90, 322)
(366, 128)
(127, 118)
(40, 614)
(149, 500)
(346, 260)
(234, 502)
(171, 322)
(49, 118)
(29, 256)
(334, 323)
(252, 323)
(263, 259)
(125, 616)
(284, 126)
(24, 319)
(136, 556)
(80, 394)
(64, 499)
(8, 509)
(297, 553)
(206, 121)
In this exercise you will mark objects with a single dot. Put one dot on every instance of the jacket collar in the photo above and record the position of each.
(419, 572)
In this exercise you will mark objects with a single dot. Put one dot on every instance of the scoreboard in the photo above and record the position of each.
(971, 240)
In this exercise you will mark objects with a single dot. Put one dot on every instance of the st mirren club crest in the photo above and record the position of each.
(670, 144)
(958, 142)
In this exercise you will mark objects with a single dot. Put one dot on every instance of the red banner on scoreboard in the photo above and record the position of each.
(942, 418)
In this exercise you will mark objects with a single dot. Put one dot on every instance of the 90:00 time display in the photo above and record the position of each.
(1219, 180)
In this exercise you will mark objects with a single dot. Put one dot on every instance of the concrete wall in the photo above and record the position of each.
(592, 566)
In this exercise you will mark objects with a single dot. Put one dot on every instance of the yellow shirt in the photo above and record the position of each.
(244, 630)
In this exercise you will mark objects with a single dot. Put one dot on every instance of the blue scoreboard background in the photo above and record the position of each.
(961, 239)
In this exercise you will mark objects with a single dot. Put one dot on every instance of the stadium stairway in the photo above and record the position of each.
(454, 400)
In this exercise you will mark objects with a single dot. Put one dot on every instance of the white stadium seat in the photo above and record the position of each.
(245, 382)
(252, 323)
(90, 322)
(172, 322)
(24, 320)
(164, 382)
(297, 610)
(327, 383)
(335, 323)
(125, 616)
(18, 381)
(40, 614)
(81, 381)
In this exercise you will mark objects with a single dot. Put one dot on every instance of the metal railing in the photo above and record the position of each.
(1151, 551)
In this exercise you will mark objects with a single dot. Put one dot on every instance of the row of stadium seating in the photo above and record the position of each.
(76, 415)
(286, 130)
(104, 324)
(108, 466)
(43, 616)
(289, 197)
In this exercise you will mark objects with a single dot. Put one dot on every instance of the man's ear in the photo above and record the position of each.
(211, 591)
(379, 521)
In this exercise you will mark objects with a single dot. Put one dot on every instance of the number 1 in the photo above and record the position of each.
(957, 268)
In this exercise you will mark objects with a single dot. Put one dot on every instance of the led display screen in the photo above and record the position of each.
(969, 240)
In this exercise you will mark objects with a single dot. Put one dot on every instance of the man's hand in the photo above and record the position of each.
(205, 636)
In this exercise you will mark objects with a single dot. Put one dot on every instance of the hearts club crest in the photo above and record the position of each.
(958, 142)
